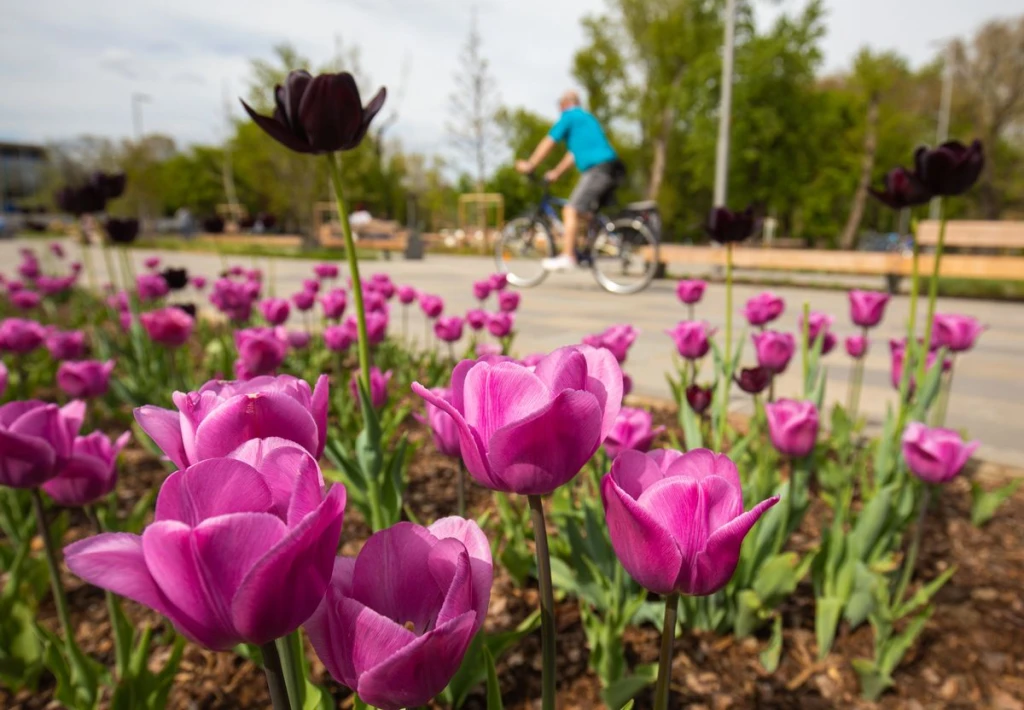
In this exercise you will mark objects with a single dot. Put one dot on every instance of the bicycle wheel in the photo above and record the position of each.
(524, 242)
(624, 257)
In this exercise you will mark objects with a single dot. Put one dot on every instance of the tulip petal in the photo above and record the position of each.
(604, 380)
(27, 461)
(479, 549)
(72, 414)
(369, 112)
(164, 427)
(331, 112)
(318, 408)
(680, 505)
(534, 456)
(278, 131)
(295, 481)
(289, 96)
(565, 368)
(634, 471)
(264, 608)
(712, 568)
(115, 561)
(83, 480)
(417, 672)
(326, 628)
(643, 545)
(211, 488)
(498, 395)
(255, 416)
(458, 383)
(451, 571)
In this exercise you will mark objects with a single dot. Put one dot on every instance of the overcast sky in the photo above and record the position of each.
(71, 67)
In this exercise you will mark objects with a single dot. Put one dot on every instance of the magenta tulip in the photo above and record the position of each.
(3, 378)
(84, 379)
(326, 271)
(168, 326)
(20, 336)
(25, 300)
(443, 429)
(378, 386)
(499, 282)
(57, 249)
(818, 325)
(448, 328)
(500, 324)
(397, 620)
(406, 295)
(36, 440)
(690, 291)
(199, 282)
(66, 345)
(676, 520)
(793, 426)
(304, 300)
(337, 338)
(691, 338)
(373, 301)
(508, 301)
(856, 346)
(763, 308)
(432, 306)
(275, 310)
(223, 560)
(898, 349)
(633, 430)
(260, 352)
(617, 339)
(485, 350)
(476, 318)
(91, 472)
(530, 431)
(482, 289)
(296, 339)
(955, 333)
(334, 303)
(867, 307)
(151, 287)
(151, 262)
(935, 455)
(222, 416)
(376, 327)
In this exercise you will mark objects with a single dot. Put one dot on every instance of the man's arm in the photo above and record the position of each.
(541, 152)
(564, 164)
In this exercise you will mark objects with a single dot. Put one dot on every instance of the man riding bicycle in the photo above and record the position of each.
(601, 171)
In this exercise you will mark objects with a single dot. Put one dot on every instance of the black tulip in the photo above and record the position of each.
(189, 308)
(85, 199)
(319, 114)
(110, 185)
(754, 380)
(213, 225)
(67, 200)
(176, 279)
(122, 231)
(699, 398)
(902, 189)
(726, 226)
(951, 169)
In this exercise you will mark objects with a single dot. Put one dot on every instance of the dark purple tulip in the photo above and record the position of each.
(122, 231)
(754, 380)
(81, 200)
(699, 398)
(187, 308)
(951, 169)
(318, 115)
(902, 188)
(176, 279)
(725, 226)
(110, 185)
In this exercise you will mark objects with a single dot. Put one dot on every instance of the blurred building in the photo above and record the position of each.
(22, 172)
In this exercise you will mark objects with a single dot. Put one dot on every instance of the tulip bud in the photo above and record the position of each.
(793, 426)
(935, 455)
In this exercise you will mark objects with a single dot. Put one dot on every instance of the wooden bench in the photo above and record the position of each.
(967, 234)
(280, 241)
(377, 235)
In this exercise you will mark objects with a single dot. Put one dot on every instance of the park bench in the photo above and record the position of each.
(998, 238)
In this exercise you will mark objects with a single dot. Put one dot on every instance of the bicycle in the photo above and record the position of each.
(622, 252)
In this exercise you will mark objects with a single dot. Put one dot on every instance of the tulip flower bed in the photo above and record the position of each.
(312, 514)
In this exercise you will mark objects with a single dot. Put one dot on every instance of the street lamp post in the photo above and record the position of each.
(138, 99)
(725, 107)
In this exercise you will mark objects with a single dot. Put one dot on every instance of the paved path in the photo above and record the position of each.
(988, 398)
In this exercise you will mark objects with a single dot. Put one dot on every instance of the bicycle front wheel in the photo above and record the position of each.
(524, 243)
(625, 257)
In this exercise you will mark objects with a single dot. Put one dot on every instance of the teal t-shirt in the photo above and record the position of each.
(583, 137)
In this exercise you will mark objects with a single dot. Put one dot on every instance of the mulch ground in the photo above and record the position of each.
(971, 654)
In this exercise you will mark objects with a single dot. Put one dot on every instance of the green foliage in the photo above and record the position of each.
(985, 503)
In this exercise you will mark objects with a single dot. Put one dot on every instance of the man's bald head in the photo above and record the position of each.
(569, 99)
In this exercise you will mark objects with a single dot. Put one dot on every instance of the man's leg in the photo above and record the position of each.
(570, 220)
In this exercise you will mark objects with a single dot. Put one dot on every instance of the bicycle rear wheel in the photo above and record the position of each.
(524, 242)
(624, 257)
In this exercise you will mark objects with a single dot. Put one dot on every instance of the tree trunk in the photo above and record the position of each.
(848, 238)
(668, 119)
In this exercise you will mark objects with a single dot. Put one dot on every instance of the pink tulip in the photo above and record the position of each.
(20, 336)
(448, 328)
(275, 310)
(508, 301)
(373, 301)
(476, 318)
(898, 349)
(690, 291)
(482, 289)
(935, 455)
(326, 271)
(66, 345)
(3, 378)
(533, 359)
(236, 270)
(763, 309)
(793, 426)
(500, 324)
(29, 269)
(170, 326)
(36, 440)
(692, 338)
(151, 287)
(57, 249)
(818, 325)
(376, 327)
(304, 300)
(485, 350)
(530, 431)
(311, 285)
(498, 282)
(13, 286)
(633, 430)
(856, 346)
(334, 302)
(240, 550)
(199, 282)
(232, 298)
(296, 339)
(627, 384)
(378, 386)
(432, 306)
(260, 352)
(397, 620)
(25, 300)
(90, 474)
(443, 429)
(152, 263)
(337, 338)
(617, 339)
(84, 379)
(867, 307)
(222, 416)
(955, 333)
(406, 294)
(54, 285)
(676, 520)
(384, 288)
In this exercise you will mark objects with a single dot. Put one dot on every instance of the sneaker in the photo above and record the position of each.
(559, 263)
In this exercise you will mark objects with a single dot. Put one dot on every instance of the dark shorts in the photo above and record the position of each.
(595, 186)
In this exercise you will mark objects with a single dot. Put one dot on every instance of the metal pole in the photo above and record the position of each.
(945, 109)
(725, 107)
(137, 116)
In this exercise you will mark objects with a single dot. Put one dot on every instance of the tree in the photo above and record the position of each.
(474, 104)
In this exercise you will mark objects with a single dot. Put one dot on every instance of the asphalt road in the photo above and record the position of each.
(988, 393)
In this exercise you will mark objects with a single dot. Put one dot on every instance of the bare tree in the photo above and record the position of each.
(474, 103)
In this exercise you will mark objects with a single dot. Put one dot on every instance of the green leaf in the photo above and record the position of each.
(873, 682)
(772, 654)
(985, 503)
(493, 687)
(827, 612)
(621, 693)
(923, 595)
(898, 645)
(749, 613)
(778, 578)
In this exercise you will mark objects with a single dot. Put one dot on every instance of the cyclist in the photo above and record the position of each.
(601, 171)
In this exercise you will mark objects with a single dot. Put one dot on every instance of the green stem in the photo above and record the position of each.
(805, 358)
(668, 636)
(290, 649)
(121, 654)
(109, 262)
(59, 599)
(915, 545)
(940, 414)
(547, 603)
(782, 533)
(275, 676)
(728, 308)
(353, 267)
(910, 351)
(933, 293)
